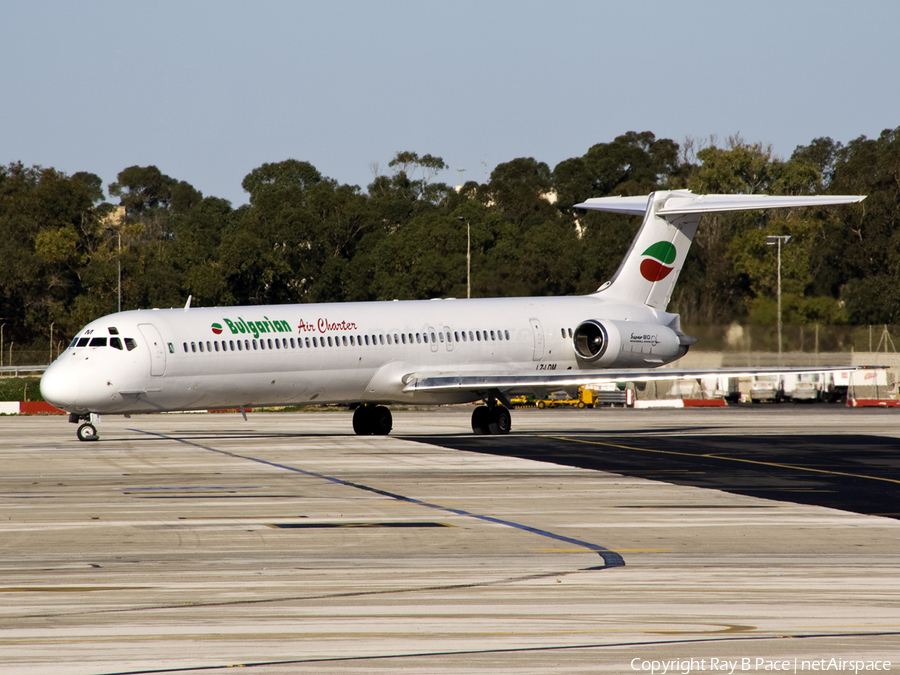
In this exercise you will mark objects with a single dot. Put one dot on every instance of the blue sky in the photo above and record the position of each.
(208, 91)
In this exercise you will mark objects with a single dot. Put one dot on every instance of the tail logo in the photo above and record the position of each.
(657, 263)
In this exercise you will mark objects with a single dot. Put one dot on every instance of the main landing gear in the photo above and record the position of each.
(372, 420)
(491, 419)
(88, 430)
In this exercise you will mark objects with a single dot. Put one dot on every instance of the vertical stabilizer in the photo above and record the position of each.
(651, 267)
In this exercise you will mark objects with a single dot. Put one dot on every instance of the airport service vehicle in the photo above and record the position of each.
(768, 387)
(370, 354)
(804, 387)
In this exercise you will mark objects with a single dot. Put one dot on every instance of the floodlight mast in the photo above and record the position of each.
(778, 240)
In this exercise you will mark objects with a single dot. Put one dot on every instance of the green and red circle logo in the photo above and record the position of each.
(657, 263)
(217, 328)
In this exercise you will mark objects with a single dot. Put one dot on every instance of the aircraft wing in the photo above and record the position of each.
(511, 382)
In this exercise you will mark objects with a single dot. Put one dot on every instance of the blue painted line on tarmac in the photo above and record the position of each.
(610, 558)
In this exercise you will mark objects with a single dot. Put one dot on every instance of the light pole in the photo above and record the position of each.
(468, 257)
(118, 231)
(1, 345)
(779, 240)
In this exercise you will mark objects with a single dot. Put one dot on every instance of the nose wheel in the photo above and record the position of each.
(87, 432)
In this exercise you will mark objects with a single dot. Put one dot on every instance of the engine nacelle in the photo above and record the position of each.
(607, 343)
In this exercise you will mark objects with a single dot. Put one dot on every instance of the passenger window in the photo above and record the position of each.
(570, 332)
(352, 341)
(344, 339)
(433, 339)
(116, 343)
(562, 331)
(441, 336)
(478, 335)
(425, 338)
(329, 341)
(231, 344)
(194, 347)
(269, 342)
(471, 338)
(239, 345)
(492, 336)
(381, 339)
(216, 344)
(254, 345)
(418, 338)
(506, 333)
(98, 342)
(201, 347)
(185, 347)
(292, 343)
(396, 341)
(367, 340)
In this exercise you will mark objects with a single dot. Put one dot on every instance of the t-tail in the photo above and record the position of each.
(654, 261)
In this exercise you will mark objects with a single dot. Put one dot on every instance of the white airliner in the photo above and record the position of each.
(422, 352)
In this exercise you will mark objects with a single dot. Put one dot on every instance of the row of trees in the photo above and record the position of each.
(305, 237)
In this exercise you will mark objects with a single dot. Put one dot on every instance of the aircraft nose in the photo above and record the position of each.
(60, 388)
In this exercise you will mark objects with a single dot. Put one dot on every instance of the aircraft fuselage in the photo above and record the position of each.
(203, 358)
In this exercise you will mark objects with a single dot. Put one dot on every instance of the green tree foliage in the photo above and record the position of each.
(142, 188)
(304, 237)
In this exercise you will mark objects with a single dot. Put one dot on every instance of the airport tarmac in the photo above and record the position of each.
(587, 541)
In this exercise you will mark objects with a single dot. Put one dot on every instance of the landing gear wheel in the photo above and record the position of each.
(382, 421)
(362, 420)
(87, 432)
(500, 420)
(481, 419)
(369, 420)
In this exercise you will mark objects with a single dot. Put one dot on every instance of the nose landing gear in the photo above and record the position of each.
(88, 430)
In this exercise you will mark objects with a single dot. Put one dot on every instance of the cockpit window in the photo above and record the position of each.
(83, 342)
(98, 342)
(130, 344)
(113, 331)
(115, 343)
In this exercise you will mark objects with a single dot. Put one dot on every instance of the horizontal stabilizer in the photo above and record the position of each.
(683, 202)
(656, 257)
